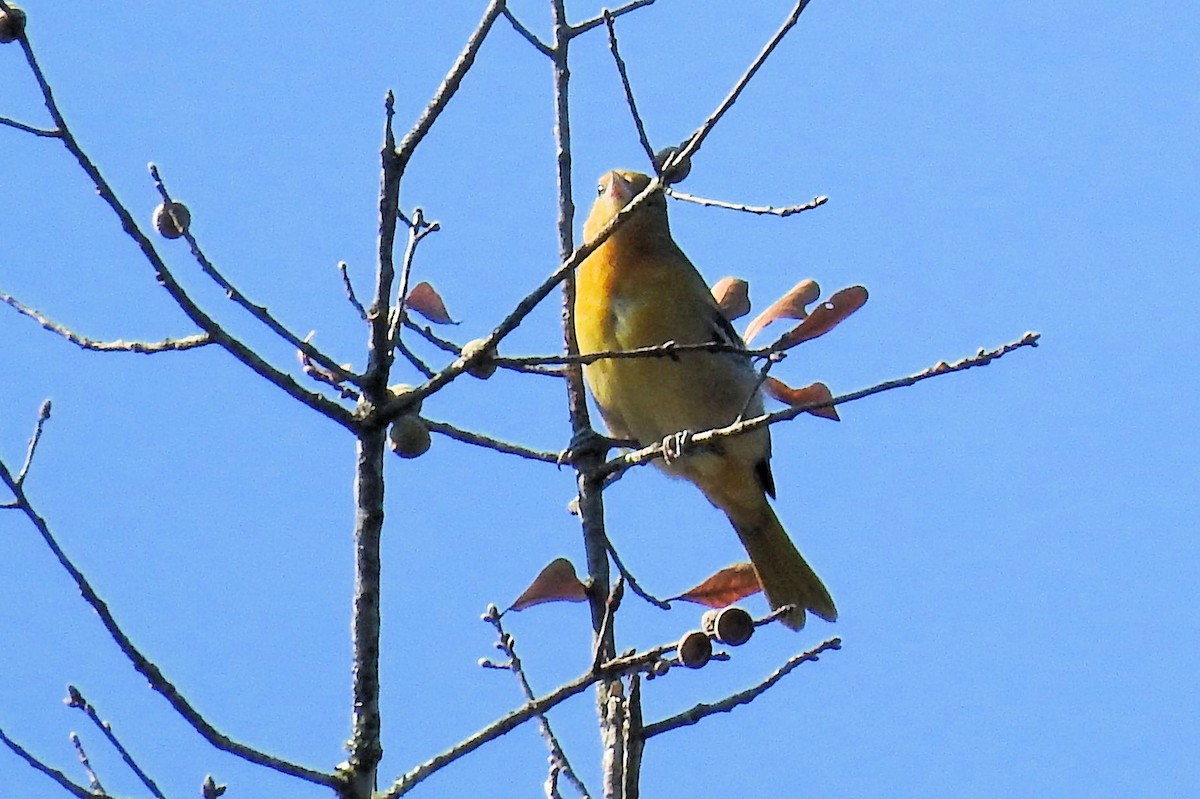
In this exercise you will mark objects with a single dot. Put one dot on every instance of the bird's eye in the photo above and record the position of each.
(599, 188)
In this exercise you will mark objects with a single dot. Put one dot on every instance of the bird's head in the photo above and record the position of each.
(613, 192)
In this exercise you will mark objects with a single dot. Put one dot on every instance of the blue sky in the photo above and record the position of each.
(1012, 549)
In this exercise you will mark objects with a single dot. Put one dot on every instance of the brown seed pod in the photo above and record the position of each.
(399, 390)
(695, 649)
(483, 368)
(409, 436)
(172, 220)
(12, 24)
(731, 625)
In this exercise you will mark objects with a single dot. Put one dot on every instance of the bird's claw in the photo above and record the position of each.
(586, 441)
(674, 445)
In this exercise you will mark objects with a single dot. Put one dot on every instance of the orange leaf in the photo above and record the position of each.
(555, 583)
(789, 306)
(825, 317)
(725, 587)
(816, 392)
(733, 297)
(425, 300)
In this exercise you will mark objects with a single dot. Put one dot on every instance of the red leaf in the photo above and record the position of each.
(789, 306)
(555, 583)
(733, 297)
(825, 317)
(425, 300)
(725, 587)
(816, 392)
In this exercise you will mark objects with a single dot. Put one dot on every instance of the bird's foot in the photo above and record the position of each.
(675, 445)
(589, 442)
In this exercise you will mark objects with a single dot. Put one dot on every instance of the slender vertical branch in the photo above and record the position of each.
(591, 508)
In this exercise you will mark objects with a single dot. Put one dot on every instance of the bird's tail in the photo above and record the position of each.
(786, 577)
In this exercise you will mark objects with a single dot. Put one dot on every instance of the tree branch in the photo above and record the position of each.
(487, 442)
(981, 358)
(784, 211)
(702, 710)
(141, 663)
(120, 345)
(54, 774)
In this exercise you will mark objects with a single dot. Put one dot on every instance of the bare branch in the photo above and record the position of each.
(21, 126)
(412, 358)
(141, 663)
(784, 211)
(627, 576)
(620, 11)
(692, 145)
(93, 781)
(508, 646)
(350, 295)
(449, 86)
(257, 311)
(703, 710)
(54, 774)
(418, 229)
(247, 356)
(637, 118)
(75, 699)
(702, 439)
(43, 415)
(529, 35)
(611, 669)
(120, 345)
(495, 444)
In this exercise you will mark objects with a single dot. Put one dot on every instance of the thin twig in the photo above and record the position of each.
(414, 359)
(21, 126)
(120, 345)
(494, 444)
(611, 669)
(93, 780)
(63, 781)
(529, 35)
(449, 85)
(322, 375)
(637, 118)
(232, 345)
(668, 349)
(76, 700)
(692, 145)
(141, 663)
(508, 646)
(702, 710)
(627, 576)
(350, 295)
(43, 415)
(418, 229)
(595, 22)
(701, 439)
(787, 210)
(259, 312)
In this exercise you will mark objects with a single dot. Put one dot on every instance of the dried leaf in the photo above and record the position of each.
(815, 392)
(425, 300)
(733, 297)
(825, 317)
(789, 306)
(555, 583)
(725, 587)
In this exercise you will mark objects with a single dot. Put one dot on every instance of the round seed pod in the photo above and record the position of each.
(172, 220)
(483, 368)
(12, 24)
(695, 649)
(409, 436)
(681, 170)
(403, 388)
(731, 625)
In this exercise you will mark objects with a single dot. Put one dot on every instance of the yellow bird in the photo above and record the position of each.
(638, 289)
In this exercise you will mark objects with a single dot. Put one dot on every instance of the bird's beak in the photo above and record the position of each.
(620, 189)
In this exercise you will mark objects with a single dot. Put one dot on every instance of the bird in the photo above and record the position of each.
(638, 289)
